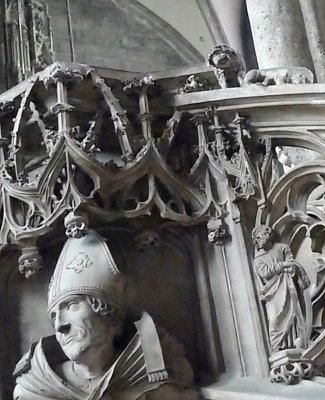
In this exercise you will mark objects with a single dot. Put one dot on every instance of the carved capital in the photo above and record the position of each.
(61, 107)
(66, 76)
(139, 86)
(199, 120)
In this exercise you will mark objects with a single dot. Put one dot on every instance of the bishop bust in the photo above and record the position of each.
(92, 356)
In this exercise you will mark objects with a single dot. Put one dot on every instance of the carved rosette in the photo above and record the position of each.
(147, 239)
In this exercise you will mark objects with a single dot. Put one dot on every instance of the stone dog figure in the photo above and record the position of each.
(92, 355)
(279, 76)
(229, 67)
(282, 283)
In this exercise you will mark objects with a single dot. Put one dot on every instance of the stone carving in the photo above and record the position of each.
(48, 180)
(42, 35)
(76, 225)
(218, 232)
(229, 67)
(282, 283)
(30, 37)
(288, 366)
(84, 360)
(18, 40)
(194, 84)
(147, 239)
(235, 152)
(66, 76)
(30, 261)
(279, 76)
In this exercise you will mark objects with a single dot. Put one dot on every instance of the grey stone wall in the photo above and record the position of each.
(121, 35)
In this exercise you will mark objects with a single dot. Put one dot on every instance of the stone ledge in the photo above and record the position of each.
(256, 388)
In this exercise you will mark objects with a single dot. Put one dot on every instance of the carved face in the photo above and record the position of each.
(221, 60)
(262, 238)
(79, 330)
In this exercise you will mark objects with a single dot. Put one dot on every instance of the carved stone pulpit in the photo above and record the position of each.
(174, 170)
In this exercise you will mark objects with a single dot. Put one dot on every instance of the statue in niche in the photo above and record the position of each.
(95, 354)
(282, 285)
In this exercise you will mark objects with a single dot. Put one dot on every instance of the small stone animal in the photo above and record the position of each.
(279, 76)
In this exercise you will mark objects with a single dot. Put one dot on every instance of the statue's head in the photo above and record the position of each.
(224, 57)
(86, 297)
(262, 236)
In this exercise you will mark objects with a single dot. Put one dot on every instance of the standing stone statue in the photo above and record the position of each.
(93, 355)
(282, 284)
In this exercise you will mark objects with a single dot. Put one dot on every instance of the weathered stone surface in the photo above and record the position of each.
(117, 35)
(279, 33)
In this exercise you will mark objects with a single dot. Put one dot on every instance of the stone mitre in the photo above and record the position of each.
(86, 266)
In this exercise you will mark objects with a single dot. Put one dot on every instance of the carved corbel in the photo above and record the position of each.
(30, 261)
(288, 366)
(218, 232)
(76, 225)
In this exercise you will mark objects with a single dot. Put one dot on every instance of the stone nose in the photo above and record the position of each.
(64, 328)
(61, 324)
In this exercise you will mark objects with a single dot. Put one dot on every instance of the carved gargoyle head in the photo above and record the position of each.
(224, 57)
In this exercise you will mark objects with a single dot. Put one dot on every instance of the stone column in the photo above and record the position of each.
(314, 13)
(279, 33)
(3, 55)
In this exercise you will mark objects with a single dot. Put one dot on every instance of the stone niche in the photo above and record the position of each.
(161, 280)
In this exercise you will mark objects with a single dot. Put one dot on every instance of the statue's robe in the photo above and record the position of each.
(287, 305)
(132, 376)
